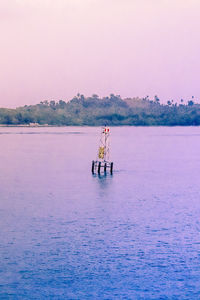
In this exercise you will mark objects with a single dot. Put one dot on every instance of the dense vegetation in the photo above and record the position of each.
(110, 110)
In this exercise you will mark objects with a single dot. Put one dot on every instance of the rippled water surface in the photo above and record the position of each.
(66, 234)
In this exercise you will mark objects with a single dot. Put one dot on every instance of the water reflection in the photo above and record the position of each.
(103, 176)
(104, 183)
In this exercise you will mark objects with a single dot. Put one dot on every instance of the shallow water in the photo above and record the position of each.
(66, 234)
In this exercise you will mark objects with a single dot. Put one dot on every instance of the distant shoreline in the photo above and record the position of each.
(29, 126)
(63, 126)
(94, 111)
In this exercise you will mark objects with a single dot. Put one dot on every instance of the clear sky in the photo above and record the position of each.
(53, 49)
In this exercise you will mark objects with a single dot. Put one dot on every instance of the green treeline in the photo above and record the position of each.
(112, 110)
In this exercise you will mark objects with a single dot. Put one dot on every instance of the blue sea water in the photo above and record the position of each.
(68, 234)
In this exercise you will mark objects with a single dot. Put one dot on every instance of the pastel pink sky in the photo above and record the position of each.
(53, 49)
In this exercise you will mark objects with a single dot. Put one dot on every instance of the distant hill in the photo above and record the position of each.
(95, 111)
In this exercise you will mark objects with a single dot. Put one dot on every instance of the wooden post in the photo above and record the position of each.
(99, 168)
(111, 168)
(93, 167)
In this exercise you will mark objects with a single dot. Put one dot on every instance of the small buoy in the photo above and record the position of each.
(103, 160)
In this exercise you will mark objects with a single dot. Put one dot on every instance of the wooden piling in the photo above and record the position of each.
(99, 167)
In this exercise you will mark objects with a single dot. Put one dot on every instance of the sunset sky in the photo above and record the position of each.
(53, 49)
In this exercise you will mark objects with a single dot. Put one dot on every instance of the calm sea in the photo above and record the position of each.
(67, 234)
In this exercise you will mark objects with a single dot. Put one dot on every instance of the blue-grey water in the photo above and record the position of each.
(66, 234)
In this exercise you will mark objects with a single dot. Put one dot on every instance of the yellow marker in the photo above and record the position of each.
(101, 152)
